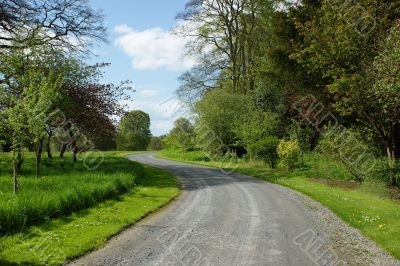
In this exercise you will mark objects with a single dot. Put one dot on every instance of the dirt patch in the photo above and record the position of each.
(337, 183)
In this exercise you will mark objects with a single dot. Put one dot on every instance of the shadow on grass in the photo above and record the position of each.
(8, 263)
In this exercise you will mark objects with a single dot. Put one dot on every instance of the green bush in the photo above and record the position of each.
(382, 170)
(289, 153)
(266, 149)
(344, 146)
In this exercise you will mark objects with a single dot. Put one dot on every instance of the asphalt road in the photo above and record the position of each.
(220, 219)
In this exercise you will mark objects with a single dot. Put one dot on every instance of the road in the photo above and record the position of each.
(221, 219)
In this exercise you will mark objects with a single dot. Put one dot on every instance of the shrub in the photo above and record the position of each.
(383, 169)
(343, 145)
(266, 149)
(289, 152)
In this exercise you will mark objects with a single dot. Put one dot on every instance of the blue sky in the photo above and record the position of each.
(142, 49)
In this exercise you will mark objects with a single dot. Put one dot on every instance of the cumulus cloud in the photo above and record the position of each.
(153, 48)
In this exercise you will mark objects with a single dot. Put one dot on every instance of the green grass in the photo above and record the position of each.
(63, 188)
(59, 240)
(376, 217)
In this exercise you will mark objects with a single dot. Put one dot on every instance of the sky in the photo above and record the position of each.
(143, 49)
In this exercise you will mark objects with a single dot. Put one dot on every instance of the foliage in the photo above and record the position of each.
(344, 146)
(227, 30)
(156, 144)
(289, 153)
(218, 113)
(255, 125)
(182, 136)
(357, 54)
(266, 149)
(134, 131)
(73, 25)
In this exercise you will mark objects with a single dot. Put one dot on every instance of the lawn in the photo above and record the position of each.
(375, 216)
(55, 241)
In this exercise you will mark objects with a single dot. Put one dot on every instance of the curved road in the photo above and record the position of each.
(219, 219)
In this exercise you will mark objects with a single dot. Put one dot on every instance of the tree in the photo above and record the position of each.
(41, 93)
(199, 80)
(156, 143)
(16, 131)
(381, 102)
(5, 142)
(134, 131)
(181, 136)
(217, 116)
(226, 29)
(255, 125)
(265, 149)
(70, 24)
(303, 134)
(88, 105)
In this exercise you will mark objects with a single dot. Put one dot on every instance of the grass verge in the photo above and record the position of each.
(58, 240)
(64, 187)
(376, 217)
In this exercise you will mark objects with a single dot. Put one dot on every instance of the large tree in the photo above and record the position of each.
(71, 24)
(357, 59)
(89, 105)
(134, 131)
(228, 30)
(182, 136)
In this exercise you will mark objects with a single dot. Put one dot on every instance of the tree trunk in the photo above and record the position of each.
(16, 187)
(48, 148)
(392, 161)
(17, 166)
(74, 151)
(39, 151)
(63, 149)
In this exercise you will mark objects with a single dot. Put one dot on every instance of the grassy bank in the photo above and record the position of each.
(57, 240)
(363, 207)
(63, 188)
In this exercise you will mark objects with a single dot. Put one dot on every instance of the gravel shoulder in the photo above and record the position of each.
(233, 219)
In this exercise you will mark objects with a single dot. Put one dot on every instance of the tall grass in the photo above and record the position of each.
(64, 187)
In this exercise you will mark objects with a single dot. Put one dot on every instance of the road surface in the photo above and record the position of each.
(221, 219)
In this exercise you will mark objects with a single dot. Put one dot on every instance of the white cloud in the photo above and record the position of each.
(148, 93)
(153, 48)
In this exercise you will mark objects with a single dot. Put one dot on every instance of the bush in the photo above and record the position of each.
(343, 145)
(383, 169)
(289, 152)
(266, 149)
